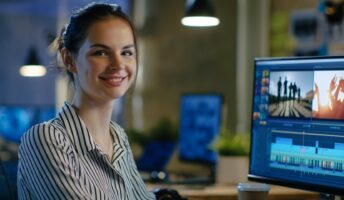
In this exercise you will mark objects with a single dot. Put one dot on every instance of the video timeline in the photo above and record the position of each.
(314, 156)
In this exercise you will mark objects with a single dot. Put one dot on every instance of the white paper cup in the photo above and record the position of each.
(253, 191)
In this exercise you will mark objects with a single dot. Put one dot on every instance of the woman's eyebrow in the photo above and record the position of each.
(100, 45)
(107, 47)
(129, 46)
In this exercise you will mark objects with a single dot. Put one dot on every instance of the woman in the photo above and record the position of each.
(81, 154)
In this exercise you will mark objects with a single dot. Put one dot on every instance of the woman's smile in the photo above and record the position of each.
(114, 80)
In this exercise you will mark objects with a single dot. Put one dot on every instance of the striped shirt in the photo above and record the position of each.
(59, 159)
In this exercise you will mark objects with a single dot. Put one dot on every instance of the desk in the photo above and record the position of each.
(229, 192)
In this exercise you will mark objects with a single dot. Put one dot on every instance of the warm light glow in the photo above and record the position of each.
(32, 70)
(200, 21)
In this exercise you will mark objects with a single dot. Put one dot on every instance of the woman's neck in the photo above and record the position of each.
(96, 115)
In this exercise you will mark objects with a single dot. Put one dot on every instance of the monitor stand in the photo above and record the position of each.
(330, 197)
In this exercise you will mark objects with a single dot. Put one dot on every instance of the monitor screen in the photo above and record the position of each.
(200, 120)
(297, 129)
(15, 120)
(153, 159)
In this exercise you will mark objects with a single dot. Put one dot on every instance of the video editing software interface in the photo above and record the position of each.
(298, 121)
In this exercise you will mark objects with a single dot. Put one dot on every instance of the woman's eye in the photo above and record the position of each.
(127, 53)
(100, 53)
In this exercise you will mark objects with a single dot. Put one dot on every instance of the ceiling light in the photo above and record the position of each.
(32, 67)
(199, 13)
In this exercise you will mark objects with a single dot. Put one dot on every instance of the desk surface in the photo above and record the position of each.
(229, 192)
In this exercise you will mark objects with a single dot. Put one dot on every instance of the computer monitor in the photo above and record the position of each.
(297, 129)
(16, 119)
(200, 121)
(156, 156)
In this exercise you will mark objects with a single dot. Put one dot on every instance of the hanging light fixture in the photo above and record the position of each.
(32, 66)
(199, 13)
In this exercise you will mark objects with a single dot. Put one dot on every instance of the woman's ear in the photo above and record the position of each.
(68, 60)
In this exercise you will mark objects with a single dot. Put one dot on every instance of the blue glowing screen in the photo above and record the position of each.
(15, 120)
(200, 120)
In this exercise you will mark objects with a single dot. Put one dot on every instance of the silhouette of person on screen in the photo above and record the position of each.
(294, 90)
(291, 87)
(279, 86)
(285, 84)
(82, 154)
(298, 94)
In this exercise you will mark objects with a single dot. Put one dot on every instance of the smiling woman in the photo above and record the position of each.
(82, 154)
(106, 62)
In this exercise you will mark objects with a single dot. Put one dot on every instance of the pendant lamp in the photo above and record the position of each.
(32, 66)
(199, 13)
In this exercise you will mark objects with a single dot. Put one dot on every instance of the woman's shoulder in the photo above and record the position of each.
(45, 132)
(44, 140)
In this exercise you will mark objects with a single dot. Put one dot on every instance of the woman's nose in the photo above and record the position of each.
(116, 67)
(117, 64)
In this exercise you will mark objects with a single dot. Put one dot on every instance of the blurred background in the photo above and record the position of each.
(209, 70)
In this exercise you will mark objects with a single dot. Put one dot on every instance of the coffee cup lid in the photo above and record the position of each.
(255, 187)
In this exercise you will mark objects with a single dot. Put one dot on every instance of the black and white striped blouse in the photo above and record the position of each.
(60, 160)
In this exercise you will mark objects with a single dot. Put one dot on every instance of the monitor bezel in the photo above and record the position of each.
(283, 182)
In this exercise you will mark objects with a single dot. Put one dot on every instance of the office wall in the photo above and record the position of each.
(20, 31)
(178, 59)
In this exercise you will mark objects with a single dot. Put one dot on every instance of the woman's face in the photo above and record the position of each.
(106, 63)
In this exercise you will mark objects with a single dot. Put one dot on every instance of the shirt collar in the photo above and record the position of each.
(76, 129)
(80, 136)
(118, 134)
(120, 145)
